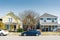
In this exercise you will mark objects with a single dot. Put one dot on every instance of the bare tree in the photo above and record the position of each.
(29, 19)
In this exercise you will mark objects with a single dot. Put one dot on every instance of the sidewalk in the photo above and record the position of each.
(14, 33)
(42, 33)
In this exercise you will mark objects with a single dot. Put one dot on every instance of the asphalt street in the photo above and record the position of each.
(16, 37)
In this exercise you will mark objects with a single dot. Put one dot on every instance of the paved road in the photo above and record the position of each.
(13, 37)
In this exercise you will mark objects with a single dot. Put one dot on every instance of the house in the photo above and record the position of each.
(1, 24)
(48, 22)
(12, 22)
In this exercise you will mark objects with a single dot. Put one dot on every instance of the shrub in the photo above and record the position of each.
(20, 30)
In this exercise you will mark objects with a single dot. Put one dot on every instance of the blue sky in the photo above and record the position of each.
(39, 6)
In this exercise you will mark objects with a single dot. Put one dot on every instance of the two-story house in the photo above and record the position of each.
(48, 22)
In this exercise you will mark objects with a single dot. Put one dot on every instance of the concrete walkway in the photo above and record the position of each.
(42, 33)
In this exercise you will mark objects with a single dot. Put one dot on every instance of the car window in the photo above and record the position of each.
(0, 30)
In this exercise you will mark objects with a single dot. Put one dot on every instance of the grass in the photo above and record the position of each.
(50, 33)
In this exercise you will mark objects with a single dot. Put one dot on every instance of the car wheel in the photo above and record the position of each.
(1, 34)
(37, 35)
(24, 34)
(5, 35)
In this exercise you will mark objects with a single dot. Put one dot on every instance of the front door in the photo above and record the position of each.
(14, 27)
(46, 29)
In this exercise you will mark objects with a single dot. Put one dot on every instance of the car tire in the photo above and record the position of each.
(5, 35)
(24, 34)
(1, 34)
(37, 35)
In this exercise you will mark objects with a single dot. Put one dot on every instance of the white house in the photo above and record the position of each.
(48, 22)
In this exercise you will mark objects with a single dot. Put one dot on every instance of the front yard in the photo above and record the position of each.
(50, 33)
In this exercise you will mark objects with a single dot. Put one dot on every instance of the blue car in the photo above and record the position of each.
(31, 33)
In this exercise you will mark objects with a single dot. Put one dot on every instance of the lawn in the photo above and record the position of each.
(50, 33)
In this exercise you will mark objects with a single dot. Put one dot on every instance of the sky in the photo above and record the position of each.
(39, 6)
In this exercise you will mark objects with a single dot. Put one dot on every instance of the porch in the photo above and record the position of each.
(48, 28)
(12, 27)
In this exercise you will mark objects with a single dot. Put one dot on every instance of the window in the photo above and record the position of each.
(53, 27)
(41, 18)
(44, 20)
(52, 19)
(49, 28)
(0, 30)
(10, 19)
(56, 26)
(7, 26)
(55, 18)
(48, 18)
(42, 26)
(43, 29)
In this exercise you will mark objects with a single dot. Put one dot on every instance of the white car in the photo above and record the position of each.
(3, 32)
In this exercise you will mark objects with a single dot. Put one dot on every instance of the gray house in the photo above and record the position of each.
(48, 22)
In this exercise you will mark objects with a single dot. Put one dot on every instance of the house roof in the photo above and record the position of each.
(47, 15)
(13, 15)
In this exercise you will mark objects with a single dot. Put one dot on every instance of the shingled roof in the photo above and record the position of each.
(47, 15)
(13, 15)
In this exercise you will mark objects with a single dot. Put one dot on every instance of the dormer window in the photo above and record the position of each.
(10, 19)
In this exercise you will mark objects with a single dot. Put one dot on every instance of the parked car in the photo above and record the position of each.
(31, 33)
(3, 32)
(56, 29)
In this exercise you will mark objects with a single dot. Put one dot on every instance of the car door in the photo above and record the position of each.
(29, 33)
(32, 32)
